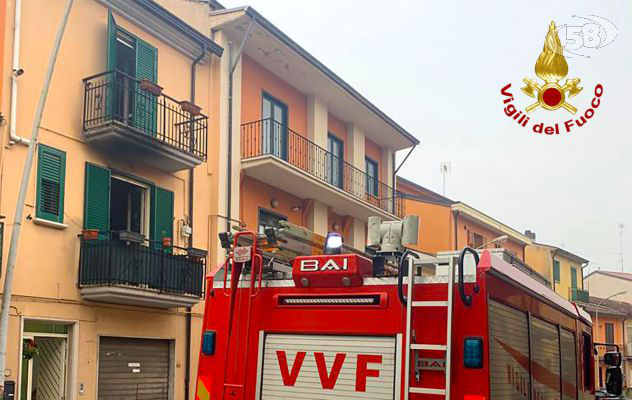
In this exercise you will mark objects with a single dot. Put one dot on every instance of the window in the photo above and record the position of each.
(372, 176)
(573, 278)
(335, 160)
(269, 219)
(476, 240)
(274, 127)
(51, 173)
(556, 271)
(115, 203)
(128, 206)
(609, 328)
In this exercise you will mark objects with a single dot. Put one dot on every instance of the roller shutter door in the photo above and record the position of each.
(569, 365)
(509, 353)
(328, 367)
(545, 359)
(133, 369)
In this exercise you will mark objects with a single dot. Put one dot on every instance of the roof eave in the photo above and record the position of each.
(485, 219)
(296, 48)
(169, 18)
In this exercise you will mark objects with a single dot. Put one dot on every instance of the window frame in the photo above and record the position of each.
(373, 179)
(476, 244)
(146, 186)
(59, 218)
(270, 132)
(329, 173)
(574, 283)
(265, 210)
(607, 325)
(557, 273)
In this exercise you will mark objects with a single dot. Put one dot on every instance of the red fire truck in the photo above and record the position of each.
(346, 326)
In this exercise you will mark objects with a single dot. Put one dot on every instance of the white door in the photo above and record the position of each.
(47, 369)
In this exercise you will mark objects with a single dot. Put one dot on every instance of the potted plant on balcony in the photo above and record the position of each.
(90, 234)
(189, 107)
(151, 87)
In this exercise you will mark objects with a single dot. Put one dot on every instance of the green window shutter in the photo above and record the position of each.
(146, 61)
(111, 42)
(51, 171)
(161, 225)
(556, 271)
(145, 104)
(573, 278)
(96, 213)
(110, 93)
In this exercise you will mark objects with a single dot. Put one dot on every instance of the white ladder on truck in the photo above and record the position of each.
(410, 347)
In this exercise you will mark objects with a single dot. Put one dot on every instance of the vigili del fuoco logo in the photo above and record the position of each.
(550, 95)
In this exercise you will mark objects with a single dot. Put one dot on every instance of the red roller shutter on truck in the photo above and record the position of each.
(328, 367)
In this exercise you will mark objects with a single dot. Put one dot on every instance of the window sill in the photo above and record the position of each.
(50, 224)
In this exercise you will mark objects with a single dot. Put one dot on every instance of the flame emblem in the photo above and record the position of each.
(551, 67)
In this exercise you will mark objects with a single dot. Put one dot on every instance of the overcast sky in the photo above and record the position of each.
(437, 67)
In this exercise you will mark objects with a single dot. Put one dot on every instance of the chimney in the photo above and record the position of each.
(529, 234)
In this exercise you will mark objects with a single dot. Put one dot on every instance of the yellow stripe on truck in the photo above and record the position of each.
(202, 391)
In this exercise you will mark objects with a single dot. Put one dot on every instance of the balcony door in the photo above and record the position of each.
(335, 159)
(131, 60)
(274, 127)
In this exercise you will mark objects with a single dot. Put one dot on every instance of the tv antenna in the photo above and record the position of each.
(446, 167)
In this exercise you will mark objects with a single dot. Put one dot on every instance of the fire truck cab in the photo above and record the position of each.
(350, 326)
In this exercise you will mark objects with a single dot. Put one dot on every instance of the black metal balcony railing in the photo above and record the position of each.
(115, 97)
(269, 137)
(579, 295)
(109, 261)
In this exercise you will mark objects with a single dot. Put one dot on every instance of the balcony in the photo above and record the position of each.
(133, 118)
(276, 155)
(578, 295)
(141, 273)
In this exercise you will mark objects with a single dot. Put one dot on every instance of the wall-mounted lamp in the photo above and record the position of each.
(296, 208)
(274, 203)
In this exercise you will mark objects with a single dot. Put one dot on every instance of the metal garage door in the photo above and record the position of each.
(328, 367)
(133, 369)
(509, 353)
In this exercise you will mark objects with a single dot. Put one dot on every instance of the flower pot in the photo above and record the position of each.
(151, 87)
(190, 107)
(90, 234)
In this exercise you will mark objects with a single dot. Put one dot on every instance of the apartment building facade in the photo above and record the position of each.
(610, 326)
(614, 289)
(110, 271)
(304, 146)
(561, 267)
(445, 224)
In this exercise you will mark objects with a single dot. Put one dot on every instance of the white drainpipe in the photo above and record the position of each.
(17, 71)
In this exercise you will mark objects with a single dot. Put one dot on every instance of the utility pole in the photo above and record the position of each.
(19, 207)
(621, 228)
(446, 167)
